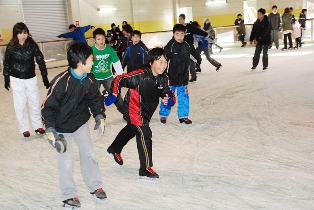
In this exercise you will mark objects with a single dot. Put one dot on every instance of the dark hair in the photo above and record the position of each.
(127, 28)
(125, 22)
(78, 52)
(195, 23)
(71, 26)
(182, 15)
(291, 8)
(304, 10)
(155, 54)
(178, 27)
(18, 28)
(261, 10)
(239, 15)
(136, 32)
(287, 10)
(113, 24)
(275, 6)
(98, 31)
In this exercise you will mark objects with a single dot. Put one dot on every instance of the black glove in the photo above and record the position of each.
(46, 81)
(92, 27)
(59, 36)
(7, 82)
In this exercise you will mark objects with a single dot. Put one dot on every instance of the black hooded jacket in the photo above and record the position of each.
(261, 32)
(19, 60)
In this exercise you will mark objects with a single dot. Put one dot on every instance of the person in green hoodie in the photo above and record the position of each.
(287, 28)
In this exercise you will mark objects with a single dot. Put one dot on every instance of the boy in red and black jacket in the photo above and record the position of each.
(146, 86)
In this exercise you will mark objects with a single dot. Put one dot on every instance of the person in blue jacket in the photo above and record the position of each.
(76, 33)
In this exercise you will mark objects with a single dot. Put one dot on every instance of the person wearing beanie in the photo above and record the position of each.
(275, 22)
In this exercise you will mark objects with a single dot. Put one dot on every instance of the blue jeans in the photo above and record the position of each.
(182, 100)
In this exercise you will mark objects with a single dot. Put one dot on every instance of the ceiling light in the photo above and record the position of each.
(213, 2)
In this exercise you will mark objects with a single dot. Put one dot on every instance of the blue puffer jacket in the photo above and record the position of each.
(78, 34)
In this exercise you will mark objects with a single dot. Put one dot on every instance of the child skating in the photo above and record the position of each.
(146, 87)
(73, 96)
(178, 52)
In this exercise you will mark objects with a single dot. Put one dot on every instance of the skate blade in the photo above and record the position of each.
(99, 200)
(147, 179)
(185, 125)
(69, 207)
(120, 166)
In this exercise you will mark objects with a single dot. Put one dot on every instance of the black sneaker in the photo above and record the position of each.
(186, 121)
(163, 120)
(99, 193)
(116, 157)
(149, 172)
(74, 202)
(26, 134)
(218, 67)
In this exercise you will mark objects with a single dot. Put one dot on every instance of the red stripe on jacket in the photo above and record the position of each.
(135, 107)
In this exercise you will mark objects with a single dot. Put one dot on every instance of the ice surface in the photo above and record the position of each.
(250, 147)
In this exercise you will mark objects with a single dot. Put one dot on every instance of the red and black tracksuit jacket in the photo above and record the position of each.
(143, 95)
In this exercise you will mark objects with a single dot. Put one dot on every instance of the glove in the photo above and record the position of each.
(56, 140)
(46, 81)
(92, 27)
(7, 82)
(171, 101)
(100, 124)
(110, 100)
(59, 36)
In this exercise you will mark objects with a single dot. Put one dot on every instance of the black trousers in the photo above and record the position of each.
(285, 36)
(143, 140)
(257, 54)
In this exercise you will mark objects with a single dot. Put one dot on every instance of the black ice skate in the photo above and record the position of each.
(148, 174)
(99, 194)
(115, 156)
(74, 203)
(163, 120)
(218, 67)
(40, 131)
(186, 121)
(26, 134)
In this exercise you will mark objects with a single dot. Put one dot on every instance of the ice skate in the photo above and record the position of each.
(99, 194)
(218, 67)
(116, 157)
(72, 203)
(185, 121)
(40, 131)
(253, 67)
(264, 67)
(148, 175)
(26, 134)
(163, 120)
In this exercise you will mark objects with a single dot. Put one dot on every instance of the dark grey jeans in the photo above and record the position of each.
(258, 50)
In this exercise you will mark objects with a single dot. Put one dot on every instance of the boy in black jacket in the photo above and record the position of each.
(146, 86)
(302, 21)
(261, 34)
(73, 95)
(135, 54)
(178, 52)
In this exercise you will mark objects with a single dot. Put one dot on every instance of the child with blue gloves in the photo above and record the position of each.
(146, 86)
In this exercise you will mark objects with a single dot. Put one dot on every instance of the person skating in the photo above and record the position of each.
(275, 24)
(239, 22)
(178, 52)
(104, 57)
(261, 34)
(135, 54)
(73, 96)
(19, 70)
(76, 33)
(287, 19)
(211, 35)
(146, 87)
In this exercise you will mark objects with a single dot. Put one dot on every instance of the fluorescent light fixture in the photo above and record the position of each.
(213, 2)
(104, 9)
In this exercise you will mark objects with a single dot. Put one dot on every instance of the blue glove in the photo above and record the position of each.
(110, 100)
(171, 101)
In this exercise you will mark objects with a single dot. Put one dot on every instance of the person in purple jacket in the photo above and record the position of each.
(76, 33)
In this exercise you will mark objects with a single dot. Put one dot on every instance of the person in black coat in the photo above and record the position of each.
(261, 35)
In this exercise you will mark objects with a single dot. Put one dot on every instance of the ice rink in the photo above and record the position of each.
(251, 145)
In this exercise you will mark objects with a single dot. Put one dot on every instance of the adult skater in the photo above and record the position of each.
(19, 70)
(73, 95)
(76, 33)
(287, 20)
(190, 31)
(261, 34)
(178, 52)
(146, 86)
